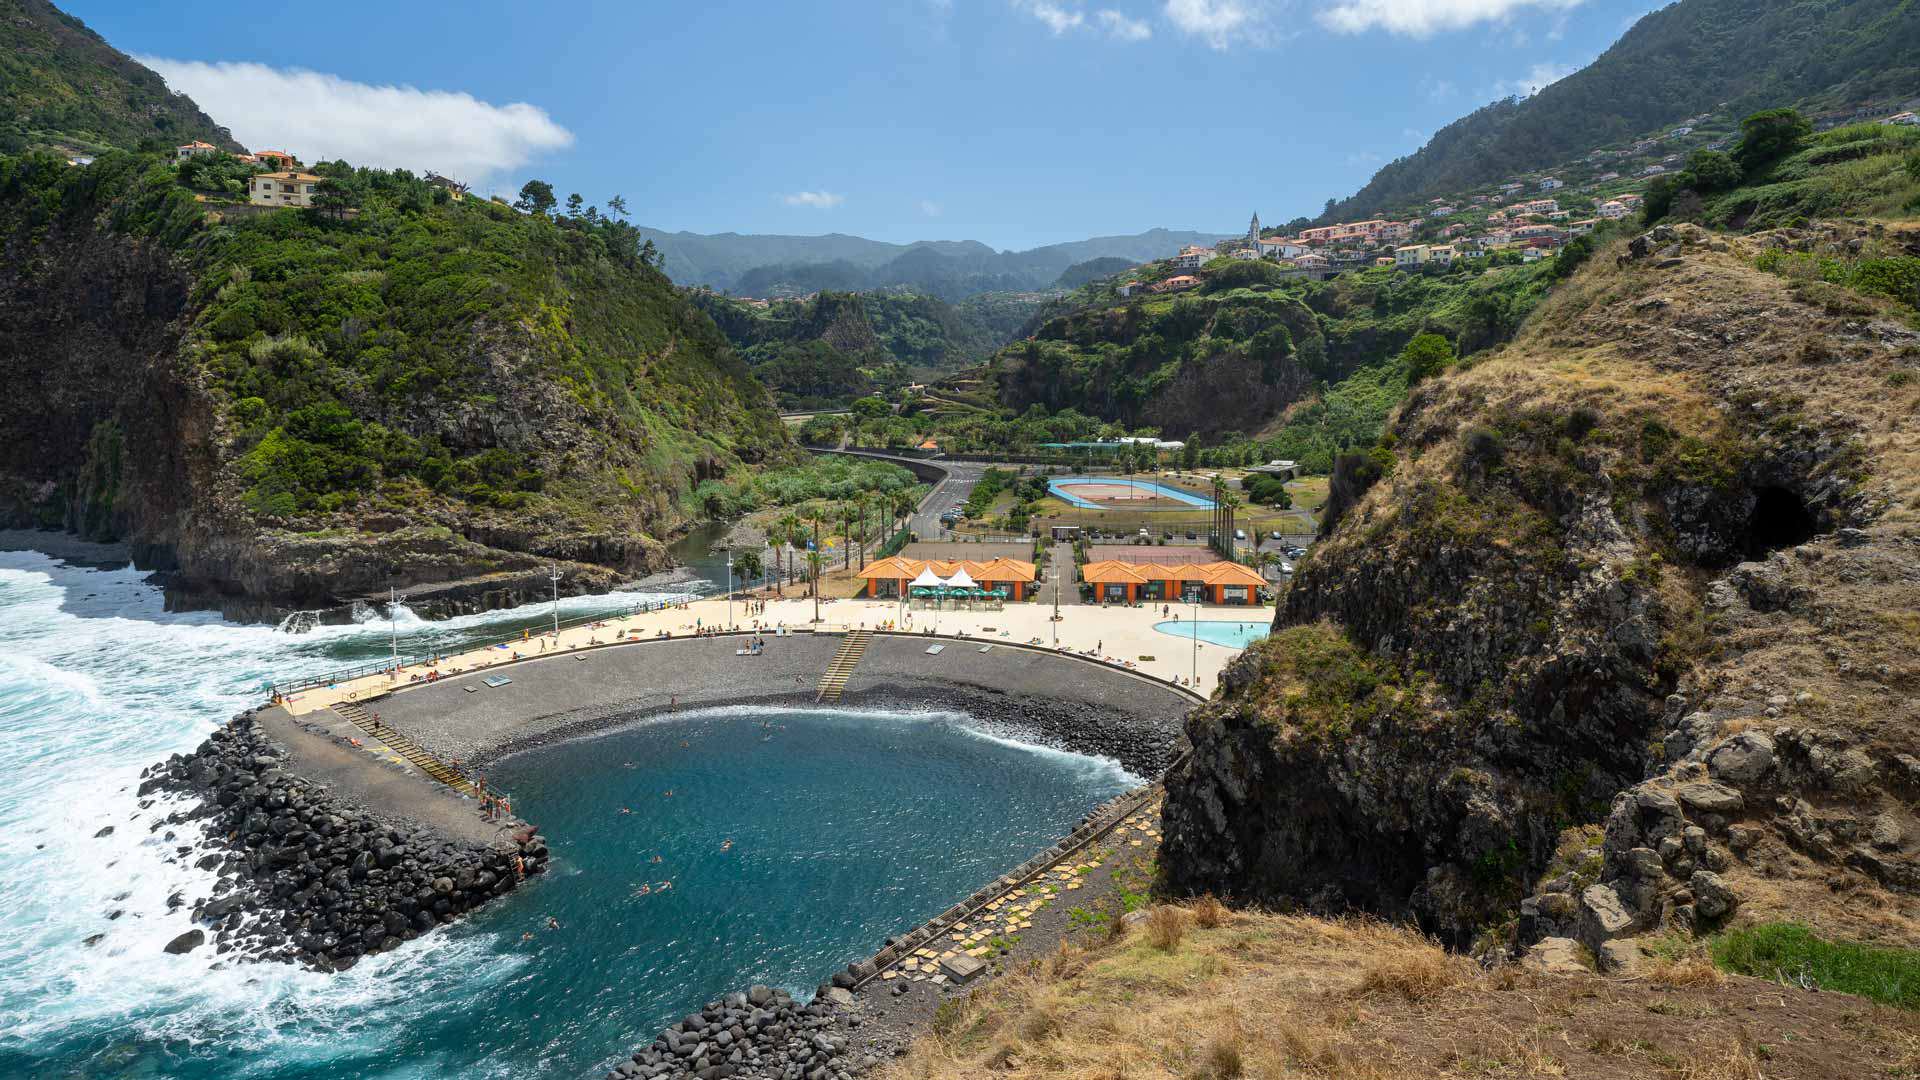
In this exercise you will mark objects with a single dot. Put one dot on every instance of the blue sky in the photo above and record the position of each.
(1013, 122)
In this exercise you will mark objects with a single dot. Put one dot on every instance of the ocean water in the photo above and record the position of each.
(846, 827)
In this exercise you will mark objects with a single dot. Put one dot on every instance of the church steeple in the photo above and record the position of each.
(1253, 230)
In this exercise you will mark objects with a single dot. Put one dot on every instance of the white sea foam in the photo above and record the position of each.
(97, 681)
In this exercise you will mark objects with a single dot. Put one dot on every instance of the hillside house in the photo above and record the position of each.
(1246, 254)
(1383, 260)
(1551, 184)
(1560, 215)
(1311, 261)
(1612, 210)
(1347, 232)
(282, 189)
(453, 187)
(1442, 211)
(1281, 248)
(1441, 254)
(1510, 188)
(1179, 283)
(1535, 206)
(1128, 288)
(1606, 176)
(1679, 131)
(194, 149)
(278, 159)
(1410, 257)
(1583, 227)
(1533, 254)
(1653, 170)
(1191, 257)
(1906, 118)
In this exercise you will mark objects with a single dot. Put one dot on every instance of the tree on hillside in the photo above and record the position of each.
(1769, 135)
(336, 195)
(1712, 170)
(1426, 356)
(617, 206)
(574, 204)
(536, 197)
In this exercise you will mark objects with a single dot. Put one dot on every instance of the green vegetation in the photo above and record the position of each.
(822, 351)
(829, 477)
(1790, 953)
(1694, 57)
(62, 86)
(427, 349)
(1897, 277)
(1317, 683)
(1789, 177)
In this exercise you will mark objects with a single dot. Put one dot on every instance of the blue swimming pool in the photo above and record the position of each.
(1062, 486)
(1233, 635)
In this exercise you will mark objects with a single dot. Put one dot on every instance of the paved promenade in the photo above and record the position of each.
(1121, 636)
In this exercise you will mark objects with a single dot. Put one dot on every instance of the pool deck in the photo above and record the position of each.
(1118, 636)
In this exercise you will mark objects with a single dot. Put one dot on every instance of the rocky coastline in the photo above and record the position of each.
(308, 877)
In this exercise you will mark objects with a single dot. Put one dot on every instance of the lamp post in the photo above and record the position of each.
(553, 575)
(730, 625)
(1194, 599)
(393, 632)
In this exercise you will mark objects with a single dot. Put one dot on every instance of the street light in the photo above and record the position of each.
(393, 632)
(1194, 599)
(730, 625)
(553, 575)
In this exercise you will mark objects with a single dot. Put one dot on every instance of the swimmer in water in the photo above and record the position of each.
(644, 889)
(625, 810)
(666, 885)
(657, 858)
(726, 845)
(553, 923)
(528, 936)
(669, 793)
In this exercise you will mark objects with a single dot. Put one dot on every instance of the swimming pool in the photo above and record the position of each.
(1233, 635)
(1109, 488)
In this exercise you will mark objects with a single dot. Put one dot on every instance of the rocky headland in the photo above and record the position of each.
(1614, 631)
(309, 877)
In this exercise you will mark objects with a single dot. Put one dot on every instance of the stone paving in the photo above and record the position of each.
(1121, 636)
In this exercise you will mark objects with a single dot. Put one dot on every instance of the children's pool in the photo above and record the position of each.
(1234, 635)
(1117, 492)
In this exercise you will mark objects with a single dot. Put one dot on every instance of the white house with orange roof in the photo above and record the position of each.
(194, 149)
(283, 188)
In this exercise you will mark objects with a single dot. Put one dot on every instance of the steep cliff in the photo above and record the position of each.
(1681, 505)
(294, 410)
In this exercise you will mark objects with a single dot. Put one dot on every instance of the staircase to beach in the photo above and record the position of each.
(362, 717)
(833, 681)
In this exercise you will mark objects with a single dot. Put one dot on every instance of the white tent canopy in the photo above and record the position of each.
(960, 580)
(927, 580)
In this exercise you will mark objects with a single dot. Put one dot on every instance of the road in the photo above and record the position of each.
(952, 491)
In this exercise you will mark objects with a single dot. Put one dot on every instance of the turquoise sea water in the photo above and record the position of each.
(1236, 635)
(96, 682)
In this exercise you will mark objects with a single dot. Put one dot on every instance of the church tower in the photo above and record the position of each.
(1253, 230)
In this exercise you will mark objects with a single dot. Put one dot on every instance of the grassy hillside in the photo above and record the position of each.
(1694, 57)
(61, 84)
(829, 349)
(527, 379)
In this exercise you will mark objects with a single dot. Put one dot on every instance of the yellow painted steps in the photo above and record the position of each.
(833, 681)
(361, 717)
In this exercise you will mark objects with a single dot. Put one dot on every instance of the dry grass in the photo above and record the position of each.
(1166, 925)
(1208, 912)
(1414, 975)
(1290, 997)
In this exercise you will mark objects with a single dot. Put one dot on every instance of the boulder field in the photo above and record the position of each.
(306, 876)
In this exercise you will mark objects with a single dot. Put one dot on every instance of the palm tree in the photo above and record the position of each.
(902, 505)
(847, 515)
(784, 531)
(749, 566)
(865, 500)
(1229, 502)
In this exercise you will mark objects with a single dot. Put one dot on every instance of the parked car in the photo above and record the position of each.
(1191, 535)
(1239, 534)
(1296, 553)
(1274, 535)
(1286, 568)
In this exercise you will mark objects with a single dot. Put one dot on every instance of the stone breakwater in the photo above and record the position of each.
(307, 877)
(760, 1033)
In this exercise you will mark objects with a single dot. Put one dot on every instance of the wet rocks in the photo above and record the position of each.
(761, 1033)
(303, 875)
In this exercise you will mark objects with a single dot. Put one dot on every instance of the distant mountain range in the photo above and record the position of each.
(768, 265)
(1695, 56)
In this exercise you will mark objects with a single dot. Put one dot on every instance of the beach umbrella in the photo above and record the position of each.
(960, 580)
(928, 580)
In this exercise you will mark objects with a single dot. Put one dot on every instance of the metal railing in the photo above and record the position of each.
(381, 667)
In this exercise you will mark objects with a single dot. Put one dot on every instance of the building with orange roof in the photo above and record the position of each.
(889, 578)
(182, 153)
(1214, 582)
(283, 189)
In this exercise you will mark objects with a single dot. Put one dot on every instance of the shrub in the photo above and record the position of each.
(1166, 925)
(1581, 422)
(1769, 135)
(1209, 912)
(1416, 974)
(1426, 355)
(1482, 447)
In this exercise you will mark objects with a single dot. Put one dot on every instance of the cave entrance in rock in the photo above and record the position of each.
(1780, 519)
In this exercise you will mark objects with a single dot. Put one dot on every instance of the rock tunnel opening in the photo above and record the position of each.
(1780, 519)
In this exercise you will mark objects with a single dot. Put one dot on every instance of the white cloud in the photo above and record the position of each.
(1057, 18)
(1421, 18)
(1220, 23)
(931, 208)
(816, 200)
(323, 117)
(1120, 27)
(1537, 78)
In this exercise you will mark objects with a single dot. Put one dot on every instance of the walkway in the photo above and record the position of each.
(1122, 636)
